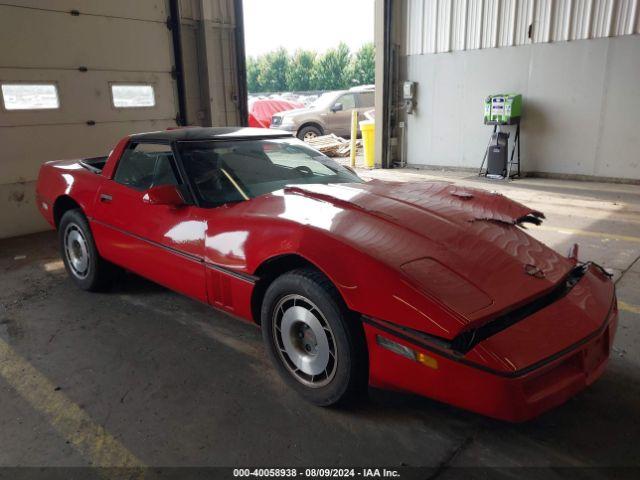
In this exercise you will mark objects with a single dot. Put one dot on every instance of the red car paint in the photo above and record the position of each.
(261, 110)
(424, 264)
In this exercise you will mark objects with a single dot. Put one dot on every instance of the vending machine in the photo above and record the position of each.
(502, 110)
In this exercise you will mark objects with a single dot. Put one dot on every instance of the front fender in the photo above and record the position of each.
(366, 285)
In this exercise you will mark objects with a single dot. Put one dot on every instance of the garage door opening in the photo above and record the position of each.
(309, 67)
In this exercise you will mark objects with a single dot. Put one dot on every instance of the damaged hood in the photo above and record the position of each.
(463, 247)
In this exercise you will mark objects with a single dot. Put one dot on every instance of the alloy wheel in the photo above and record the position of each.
(304, 340)
(76, 251)
(309, 136)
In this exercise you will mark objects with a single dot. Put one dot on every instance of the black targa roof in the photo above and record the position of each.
(209, 133)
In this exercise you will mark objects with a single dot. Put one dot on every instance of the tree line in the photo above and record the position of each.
(306, 70)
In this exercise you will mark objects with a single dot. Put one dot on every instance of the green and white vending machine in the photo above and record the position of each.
(501, 110)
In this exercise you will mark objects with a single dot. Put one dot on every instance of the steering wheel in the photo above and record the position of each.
(304, 170)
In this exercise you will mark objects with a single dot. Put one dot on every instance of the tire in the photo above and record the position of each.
(83, 263)
(308, 132)
(316, 344)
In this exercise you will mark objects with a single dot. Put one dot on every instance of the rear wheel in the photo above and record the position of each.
(315, 343)
(309, 132)
(85, 266)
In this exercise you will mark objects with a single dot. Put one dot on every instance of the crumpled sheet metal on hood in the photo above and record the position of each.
(461, 203)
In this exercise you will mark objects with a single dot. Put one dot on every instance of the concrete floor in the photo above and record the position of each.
(142, 375)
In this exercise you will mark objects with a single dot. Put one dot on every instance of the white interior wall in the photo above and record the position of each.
(581, 103)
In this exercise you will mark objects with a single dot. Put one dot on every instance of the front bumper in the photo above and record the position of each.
(512, 396)
(286, 128)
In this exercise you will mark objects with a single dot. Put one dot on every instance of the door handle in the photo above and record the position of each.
(105, 198)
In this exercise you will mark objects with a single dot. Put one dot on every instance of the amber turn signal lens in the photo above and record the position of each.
(405, 351)
(426, 360)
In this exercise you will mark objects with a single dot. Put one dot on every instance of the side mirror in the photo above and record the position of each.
(336, 108)
(164, 195)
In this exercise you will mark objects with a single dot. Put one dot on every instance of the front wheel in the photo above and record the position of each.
(316, 344)
(85, 266)
(309, 133)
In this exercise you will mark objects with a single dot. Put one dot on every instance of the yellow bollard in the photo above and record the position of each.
(368, 140)
(354, 135)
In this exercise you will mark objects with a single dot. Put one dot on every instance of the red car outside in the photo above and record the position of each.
(424, 287)
(261, 110)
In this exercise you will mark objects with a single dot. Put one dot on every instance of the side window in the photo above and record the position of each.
(146, 165)
(348, 101)
(366, 100)
(211, 176)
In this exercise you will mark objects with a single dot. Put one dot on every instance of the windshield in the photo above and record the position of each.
(224, 172)
(325, 100)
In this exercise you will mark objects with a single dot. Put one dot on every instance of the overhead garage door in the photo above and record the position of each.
(78, 52)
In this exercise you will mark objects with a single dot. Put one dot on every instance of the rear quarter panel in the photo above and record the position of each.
(60, 178)
(67, 177)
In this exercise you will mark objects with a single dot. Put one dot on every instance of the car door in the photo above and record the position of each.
(228, 288)
(339, 120)
(161, 242)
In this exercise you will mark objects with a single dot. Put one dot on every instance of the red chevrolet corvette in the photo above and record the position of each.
(424, 287)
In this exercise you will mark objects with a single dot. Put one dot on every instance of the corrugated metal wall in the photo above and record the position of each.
(435, 26)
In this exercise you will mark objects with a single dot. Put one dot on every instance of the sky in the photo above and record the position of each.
(309, 24)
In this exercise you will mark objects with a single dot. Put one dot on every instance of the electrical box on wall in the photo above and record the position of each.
(408, 95)
(408, 90)
(502, 109)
